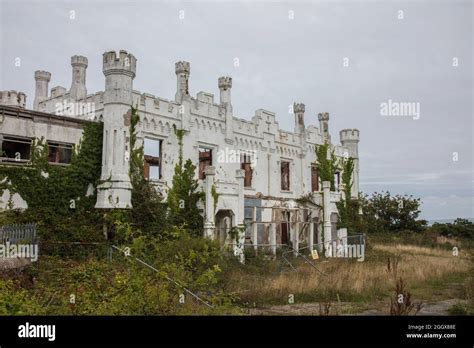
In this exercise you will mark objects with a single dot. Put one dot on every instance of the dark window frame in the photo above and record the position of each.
(285, 185)
(204, 160)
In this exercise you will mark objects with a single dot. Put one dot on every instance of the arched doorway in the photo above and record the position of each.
(224, 223)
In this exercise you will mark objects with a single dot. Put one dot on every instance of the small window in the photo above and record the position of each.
(152, 157)
(337, 178)
(59, 153)
(205, 160)
(285, 176)
(314, 179)
(14, 148)
(246, 165)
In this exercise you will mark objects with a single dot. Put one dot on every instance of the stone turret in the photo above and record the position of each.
(225, 86)
(119, 71)
(323, 118)
(298, 110)
(78, 87)
(350, 141)
(13, 98)
(42, 79)
(182, 70)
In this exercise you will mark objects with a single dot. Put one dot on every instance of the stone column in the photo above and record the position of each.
(273, 238)
(327, 212)
(311, 236)
(209, 223)
(254, 229)
(239, 217)
(296, 232)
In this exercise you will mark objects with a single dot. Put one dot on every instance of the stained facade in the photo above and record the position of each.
(258, 170)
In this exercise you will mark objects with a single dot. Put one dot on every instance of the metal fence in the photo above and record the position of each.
(18, 233)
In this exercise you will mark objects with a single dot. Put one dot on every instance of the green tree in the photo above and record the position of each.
(149, 210)
(327, 167)
(385, 213)
(184, 195)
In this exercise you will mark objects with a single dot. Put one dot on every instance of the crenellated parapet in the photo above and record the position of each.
(225, 82)
(122, 64)
(13, 98)
(182, 67)
(323, 116)
(349, 135)
(298, 108)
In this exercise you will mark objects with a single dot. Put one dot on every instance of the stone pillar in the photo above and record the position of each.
(182, 70)
(298, 110)
(119, 71)
(296, 242)
(239, 217)
(327, 212)
(311, 236)
(254, 229)
(209, 223)
(42, 79)
(225, 86)
(273, 239)
(78, 87)
(323, 118)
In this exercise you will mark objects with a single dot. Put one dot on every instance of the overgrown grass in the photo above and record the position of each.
(422, 268)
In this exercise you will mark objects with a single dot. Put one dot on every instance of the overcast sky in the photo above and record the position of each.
(284, 57)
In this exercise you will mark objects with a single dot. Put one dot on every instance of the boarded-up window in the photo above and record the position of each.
(205, 160)
(14, 148)
(152, 159)
(59, 153)
(285, 176)
(245, 164)
(314, 179)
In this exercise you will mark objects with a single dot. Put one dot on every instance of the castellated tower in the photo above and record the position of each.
(78, 87)
(13, 98)
(350, 140)
(323, 118)
(182, 70)
(42, 79)
(298, 110)
(119, 73)
(225, 86)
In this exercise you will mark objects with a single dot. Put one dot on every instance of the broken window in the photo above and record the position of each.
(285, 176)
(245, 164)
(59, 153)
(205, 160)
(152, 159)
(314, 178)
(13, 148)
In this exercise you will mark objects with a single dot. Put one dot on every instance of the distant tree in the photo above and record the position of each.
(385, 213)
(459, 228)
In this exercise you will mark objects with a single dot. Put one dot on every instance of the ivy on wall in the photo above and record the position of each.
(184, 194)
(56, 195)
(327, 164)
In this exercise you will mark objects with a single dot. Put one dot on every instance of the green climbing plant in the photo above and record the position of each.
(327, 163)
(184, 195)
